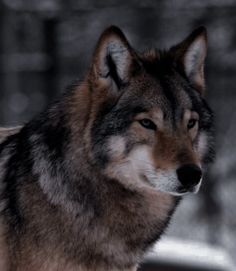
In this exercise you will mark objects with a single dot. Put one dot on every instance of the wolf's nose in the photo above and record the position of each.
(189, 175)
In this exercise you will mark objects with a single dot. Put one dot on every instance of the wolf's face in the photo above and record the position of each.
(151, 123)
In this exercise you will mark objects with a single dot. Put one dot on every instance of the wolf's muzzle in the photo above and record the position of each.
(189, 175)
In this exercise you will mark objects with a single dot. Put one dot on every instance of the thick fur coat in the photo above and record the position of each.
(91, 183)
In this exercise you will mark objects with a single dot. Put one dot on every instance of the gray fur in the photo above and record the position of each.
(76, 192)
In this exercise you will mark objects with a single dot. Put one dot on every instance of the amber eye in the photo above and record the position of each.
(148, 124)
(192, 123)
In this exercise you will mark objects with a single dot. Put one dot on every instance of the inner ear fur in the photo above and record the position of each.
(190, 56)
(114, 60)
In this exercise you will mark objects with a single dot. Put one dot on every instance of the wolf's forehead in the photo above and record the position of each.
(168, 96)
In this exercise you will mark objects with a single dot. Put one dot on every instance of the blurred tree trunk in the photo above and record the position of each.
(51, 50)
(1, 57)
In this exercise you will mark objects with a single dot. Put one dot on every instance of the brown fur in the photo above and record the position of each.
(74, 195)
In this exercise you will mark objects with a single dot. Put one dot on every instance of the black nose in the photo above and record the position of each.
(189, 175)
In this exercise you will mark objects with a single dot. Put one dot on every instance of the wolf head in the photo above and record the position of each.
(150, 124)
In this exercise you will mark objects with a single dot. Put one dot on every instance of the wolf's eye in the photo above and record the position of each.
(192, 123)
(148, 124)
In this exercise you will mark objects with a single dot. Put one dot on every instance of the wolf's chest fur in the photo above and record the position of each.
(91, 183)
(110, 234)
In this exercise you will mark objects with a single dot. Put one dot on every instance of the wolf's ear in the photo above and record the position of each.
(191, 54)
(114, 60)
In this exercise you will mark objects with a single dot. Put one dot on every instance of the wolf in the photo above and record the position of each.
(92, 182)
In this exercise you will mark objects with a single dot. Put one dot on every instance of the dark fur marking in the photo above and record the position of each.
(53, 132)
(111, 121)
(113, 72)
(56, 139)
(19, 166)
(162, 68)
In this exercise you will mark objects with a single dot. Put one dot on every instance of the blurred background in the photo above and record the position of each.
(46, 45)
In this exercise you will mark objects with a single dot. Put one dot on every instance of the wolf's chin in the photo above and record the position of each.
(174, 190)
(185, 191)
(181, 191)
(178, 193)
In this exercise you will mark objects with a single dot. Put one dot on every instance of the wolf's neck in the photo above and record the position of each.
(80, 217)
(107, 220)
(82, 207)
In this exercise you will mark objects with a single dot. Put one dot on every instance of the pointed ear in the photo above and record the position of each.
(114, 60)
(190, 55)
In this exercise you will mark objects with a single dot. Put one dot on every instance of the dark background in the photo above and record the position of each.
(46, 44)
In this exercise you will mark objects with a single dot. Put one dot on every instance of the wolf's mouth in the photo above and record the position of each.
(178, 190)
(192, 189)
(183, 190)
